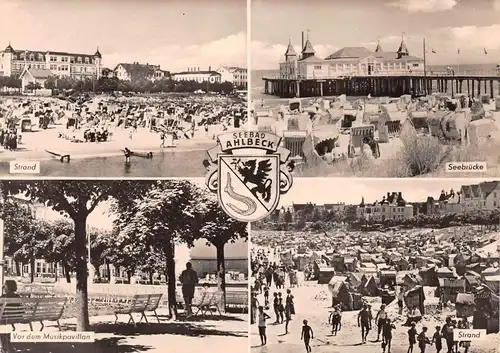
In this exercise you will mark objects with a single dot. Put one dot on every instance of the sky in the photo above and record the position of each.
(351, 190)
(175, 34)
(102, 217)
(447, 25)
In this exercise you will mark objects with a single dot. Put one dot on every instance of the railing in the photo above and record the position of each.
(470, 73)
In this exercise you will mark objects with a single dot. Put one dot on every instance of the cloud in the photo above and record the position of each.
(267, 56)
(424, 5)
(227, 51)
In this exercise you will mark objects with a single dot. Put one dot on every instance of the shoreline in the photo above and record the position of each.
(32, 155)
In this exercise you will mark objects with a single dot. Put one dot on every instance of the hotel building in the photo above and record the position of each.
(61, 64)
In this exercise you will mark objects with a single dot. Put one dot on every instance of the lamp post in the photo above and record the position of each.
(2, 260)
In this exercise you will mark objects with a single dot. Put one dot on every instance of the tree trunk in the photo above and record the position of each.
(169, 249)
(221, 276)
(151, 277)
(55, 271)
(32, 270)
(129, 275)
(67, 272)
(108, 272)
(18, 268)
(82, 321)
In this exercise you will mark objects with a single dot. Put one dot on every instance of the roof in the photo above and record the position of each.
(308, 48)
(487, 187)
(403, 49)
(476, 191)
(198, 72)
(98, 54)
(336, 287)
(289, 50)
(38, 73)
(465, 298)
(350, 52)
(378, 48)
(310, 59)
(9, 49)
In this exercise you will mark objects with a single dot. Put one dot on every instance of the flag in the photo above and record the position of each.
(433, 51)
(485, 51)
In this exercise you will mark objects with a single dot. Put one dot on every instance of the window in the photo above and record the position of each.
(495, 203)
(53, 58)
(72, 60)
(317, 67)
(415, 65)
(64, 59)
(79, 59)
(86, 60)
(495, 194)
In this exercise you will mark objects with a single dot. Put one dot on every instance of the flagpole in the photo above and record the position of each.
(458, 62)
(425, 69)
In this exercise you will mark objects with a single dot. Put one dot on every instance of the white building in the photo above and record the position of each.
(392, 206)
(483, 196)
(136, 71)
(197, 75)
(61, 64)
(236, 75)
(349, 61)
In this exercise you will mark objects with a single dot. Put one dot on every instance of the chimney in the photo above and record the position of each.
(210, 68)
(198, 68)
(400, 195)
(302, 48)
(388, 196)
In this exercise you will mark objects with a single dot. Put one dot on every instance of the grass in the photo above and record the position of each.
(418, 156)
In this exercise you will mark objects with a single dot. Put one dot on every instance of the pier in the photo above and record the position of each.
(473, 85)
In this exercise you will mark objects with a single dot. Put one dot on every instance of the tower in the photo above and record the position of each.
(403, 50)
(290, 54)
(308, 50)
(98, 63)
(378, 49)
(8, 56)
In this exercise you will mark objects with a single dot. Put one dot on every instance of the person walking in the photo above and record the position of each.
(281, 308)
(437, 339)
(387, 328)
(334, 319)
(307, 335)
(276, 307)
(423, 340)
(364, 322)
(189, 280)
(380, 320)
(412, 337)
(447, 332)
(262, 325)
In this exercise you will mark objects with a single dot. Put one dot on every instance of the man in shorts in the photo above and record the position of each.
(364, 321)
(189, 280)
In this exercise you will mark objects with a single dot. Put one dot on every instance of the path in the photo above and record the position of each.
(195, 335)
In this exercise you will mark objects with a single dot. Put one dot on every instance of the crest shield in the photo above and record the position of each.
(248, 187)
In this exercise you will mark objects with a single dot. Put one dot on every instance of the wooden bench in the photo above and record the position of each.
(237, 300)
(140, 303)
(206, 302)
(28, 310)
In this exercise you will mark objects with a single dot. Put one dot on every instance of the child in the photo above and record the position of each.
(266, 296)
(307, 334)
(423, 340)
(281, 308)
(335, 319)
(387, 328)
(276, 307)
(262, 325)
(412, 337)
(436, 339)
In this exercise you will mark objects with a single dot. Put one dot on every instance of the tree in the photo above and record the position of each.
(77, 200)
(60, 248)
(219, 229)
(33, 86)
(50, 83)
(166, 213)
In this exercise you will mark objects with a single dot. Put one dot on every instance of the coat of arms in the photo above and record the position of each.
(249, 173)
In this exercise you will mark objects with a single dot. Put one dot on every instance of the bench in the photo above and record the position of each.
(206, 302)
(28, 310)
(237, 300)
(140, 303)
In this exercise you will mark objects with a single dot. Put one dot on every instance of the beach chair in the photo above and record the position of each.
(202, 304)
